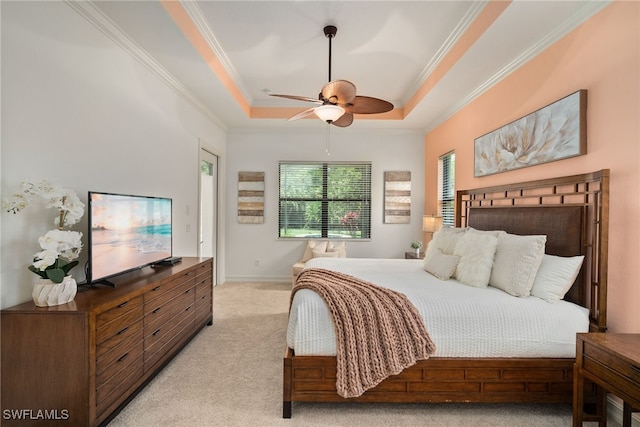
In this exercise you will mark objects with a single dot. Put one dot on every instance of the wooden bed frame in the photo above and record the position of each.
(573, 212)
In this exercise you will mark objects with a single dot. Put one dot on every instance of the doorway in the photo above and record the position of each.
(208, 239)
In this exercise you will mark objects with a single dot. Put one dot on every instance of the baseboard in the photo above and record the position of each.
(614, 411)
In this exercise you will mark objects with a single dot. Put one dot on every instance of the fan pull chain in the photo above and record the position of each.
(327, 146)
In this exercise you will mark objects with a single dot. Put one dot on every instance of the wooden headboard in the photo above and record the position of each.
(572, 211)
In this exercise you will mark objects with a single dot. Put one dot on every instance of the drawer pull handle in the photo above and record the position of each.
(635, 368)
(123, 331)
(124, 356)
(156, 310)
(155, 332)
(156, 288)
(123, 304)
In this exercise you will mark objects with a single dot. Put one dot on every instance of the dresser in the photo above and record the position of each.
(612, 362)
(81, 362)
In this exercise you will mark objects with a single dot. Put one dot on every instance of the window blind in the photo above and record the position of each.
(446, 188)
(325, 200)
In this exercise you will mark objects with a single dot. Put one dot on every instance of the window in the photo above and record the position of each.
(446, 188)
(325, 200)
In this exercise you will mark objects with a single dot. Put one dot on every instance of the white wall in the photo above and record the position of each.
(261, 151)
(79, 110)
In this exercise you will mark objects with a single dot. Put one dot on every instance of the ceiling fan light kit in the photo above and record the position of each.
(329, 113)
(338, 100)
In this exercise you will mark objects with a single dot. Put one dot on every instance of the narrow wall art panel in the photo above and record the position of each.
(557, 131)
(397, 197)
(250, 197)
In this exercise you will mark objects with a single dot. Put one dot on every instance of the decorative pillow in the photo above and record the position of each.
(325, 254)
(311, 246)
(340, 248)
(441, 265)
(516, 263)
(444, 240)
(476, 251)
(555, 277)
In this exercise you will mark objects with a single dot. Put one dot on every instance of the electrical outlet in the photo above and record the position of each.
(256, 262)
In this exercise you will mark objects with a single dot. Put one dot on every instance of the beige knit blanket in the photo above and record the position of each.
(379, 332)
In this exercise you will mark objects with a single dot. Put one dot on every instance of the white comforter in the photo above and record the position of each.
(463, 321)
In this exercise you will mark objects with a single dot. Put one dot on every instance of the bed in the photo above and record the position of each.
(573, 213)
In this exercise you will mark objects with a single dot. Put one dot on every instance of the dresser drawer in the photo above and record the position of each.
(119, 337)
(158, 344)
(606, 365)
(166, 312)
(120, 378)
(204, 271)
(156, 305)
(113, 321)
(168, 287)
(180, 306)
(114, 360)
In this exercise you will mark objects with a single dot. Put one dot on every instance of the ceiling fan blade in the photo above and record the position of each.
(345, 120)
(302, 114)
(339, 92)
(297, 98)
(368, 105)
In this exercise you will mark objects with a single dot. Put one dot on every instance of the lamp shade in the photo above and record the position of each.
(329, 112)
(431, 224)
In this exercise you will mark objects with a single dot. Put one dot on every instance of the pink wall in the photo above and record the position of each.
(602, 56)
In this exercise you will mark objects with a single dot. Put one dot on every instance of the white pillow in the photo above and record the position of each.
(441, 265)
(555, 277)
(340, 248)
(323, 254)
(516, 263)
(313, 246)
(476, 250)
(445, 240)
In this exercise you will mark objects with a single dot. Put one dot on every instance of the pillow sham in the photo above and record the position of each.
(441, 265)
(311, 246)
(516, 263)
(476, 251)
(445, 240)
(340, 248)
(325, 254)
(555, 277)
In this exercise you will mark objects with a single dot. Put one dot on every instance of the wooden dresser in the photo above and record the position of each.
(79, 363)
(612, 362)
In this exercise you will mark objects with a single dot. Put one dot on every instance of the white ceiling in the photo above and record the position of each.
(388, 49)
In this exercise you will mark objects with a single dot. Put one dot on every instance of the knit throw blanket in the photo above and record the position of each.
(379, 332)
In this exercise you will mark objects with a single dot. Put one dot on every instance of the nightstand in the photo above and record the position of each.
(612, 362)
(413, 255)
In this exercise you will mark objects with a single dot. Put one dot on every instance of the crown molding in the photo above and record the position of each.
(196, 15)
(462, 26)
(583, 14)
(90, 12)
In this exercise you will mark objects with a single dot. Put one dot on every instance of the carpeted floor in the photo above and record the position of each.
(231, 375)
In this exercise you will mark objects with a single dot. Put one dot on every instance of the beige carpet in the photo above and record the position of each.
(231, 375)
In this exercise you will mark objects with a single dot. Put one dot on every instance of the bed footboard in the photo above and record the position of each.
(500, 380)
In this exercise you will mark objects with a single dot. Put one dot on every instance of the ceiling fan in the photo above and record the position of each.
(338, 100)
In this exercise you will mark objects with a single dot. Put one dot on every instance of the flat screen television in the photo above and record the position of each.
(126, 232)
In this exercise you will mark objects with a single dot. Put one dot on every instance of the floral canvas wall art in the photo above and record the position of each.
(554, 132)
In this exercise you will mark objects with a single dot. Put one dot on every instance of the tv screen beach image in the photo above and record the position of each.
(128, 232)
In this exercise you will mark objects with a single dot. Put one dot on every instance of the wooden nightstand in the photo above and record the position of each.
(413, 255)
(612, 362)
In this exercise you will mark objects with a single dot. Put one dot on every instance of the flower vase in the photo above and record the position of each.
(47, 293)
(418, 252)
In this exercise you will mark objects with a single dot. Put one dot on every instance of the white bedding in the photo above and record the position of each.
(463, 321)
